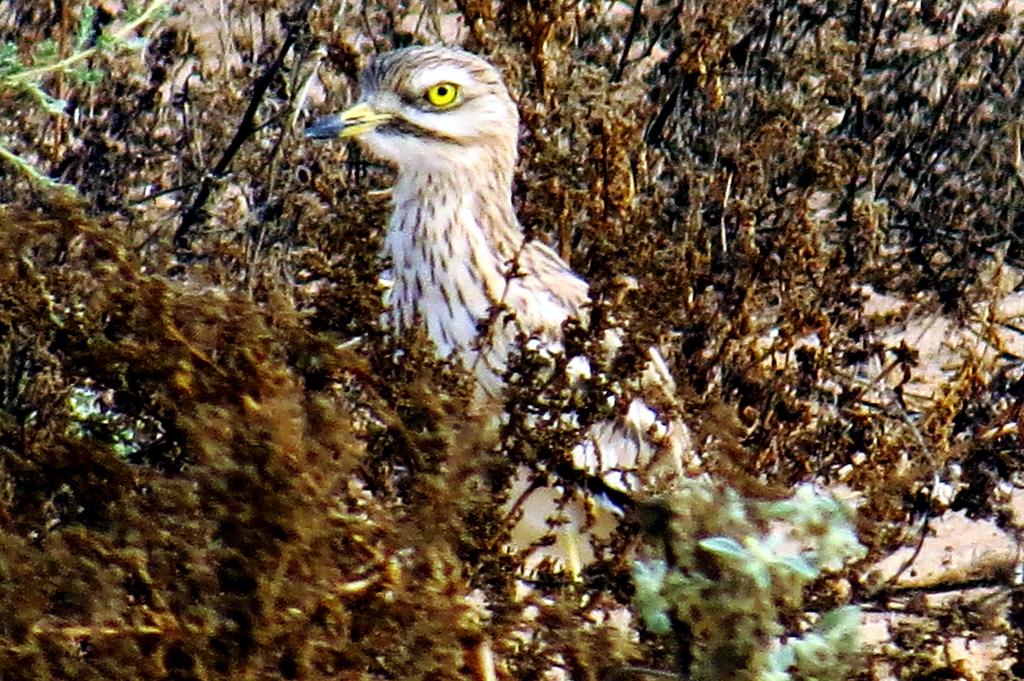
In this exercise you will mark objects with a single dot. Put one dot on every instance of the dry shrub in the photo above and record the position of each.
(201, 476)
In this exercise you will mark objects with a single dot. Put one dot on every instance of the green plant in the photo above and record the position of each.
(28, 76)
(734, 578)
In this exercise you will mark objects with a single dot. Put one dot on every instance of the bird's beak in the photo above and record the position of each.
(356, 120)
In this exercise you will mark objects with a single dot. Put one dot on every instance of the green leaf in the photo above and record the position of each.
(51, 104)
(840, 623)
(134, 44)
(85, 28)
(10, 59)
(800, 566)
(46, 51)
(725, 546)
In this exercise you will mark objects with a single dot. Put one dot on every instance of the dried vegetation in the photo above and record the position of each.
(202, 476)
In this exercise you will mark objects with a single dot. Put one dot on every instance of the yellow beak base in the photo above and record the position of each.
(357, 120)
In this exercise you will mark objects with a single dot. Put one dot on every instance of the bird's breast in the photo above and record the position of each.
(445, 274)
(457, 275)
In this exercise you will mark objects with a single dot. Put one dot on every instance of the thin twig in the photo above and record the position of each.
(297, 24)
(634, 26)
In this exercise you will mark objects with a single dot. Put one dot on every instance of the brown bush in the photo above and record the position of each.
(250, 495)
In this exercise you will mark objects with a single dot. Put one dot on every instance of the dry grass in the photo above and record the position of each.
(287, 504)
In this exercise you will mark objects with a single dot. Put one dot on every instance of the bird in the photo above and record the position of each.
(444, 119)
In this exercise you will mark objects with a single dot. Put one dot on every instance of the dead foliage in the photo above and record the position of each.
(204, 475)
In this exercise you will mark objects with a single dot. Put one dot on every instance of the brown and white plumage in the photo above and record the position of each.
(456, 248)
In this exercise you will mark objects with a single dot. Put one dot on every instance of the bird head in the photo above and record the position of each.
(430, 109)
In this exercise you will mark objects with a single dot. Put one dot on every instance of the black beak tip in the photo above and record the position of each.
(328, 127)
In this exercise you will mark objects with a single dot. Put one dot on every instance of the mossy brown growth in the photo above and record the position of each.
(235, 537)
(212, 463)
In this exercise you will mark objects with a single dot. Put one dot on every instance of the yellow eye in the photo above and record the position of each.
(442, 95)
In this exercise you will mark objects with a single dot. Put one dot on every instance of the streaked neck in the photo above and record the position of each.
(450, 242)
(458, 256)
